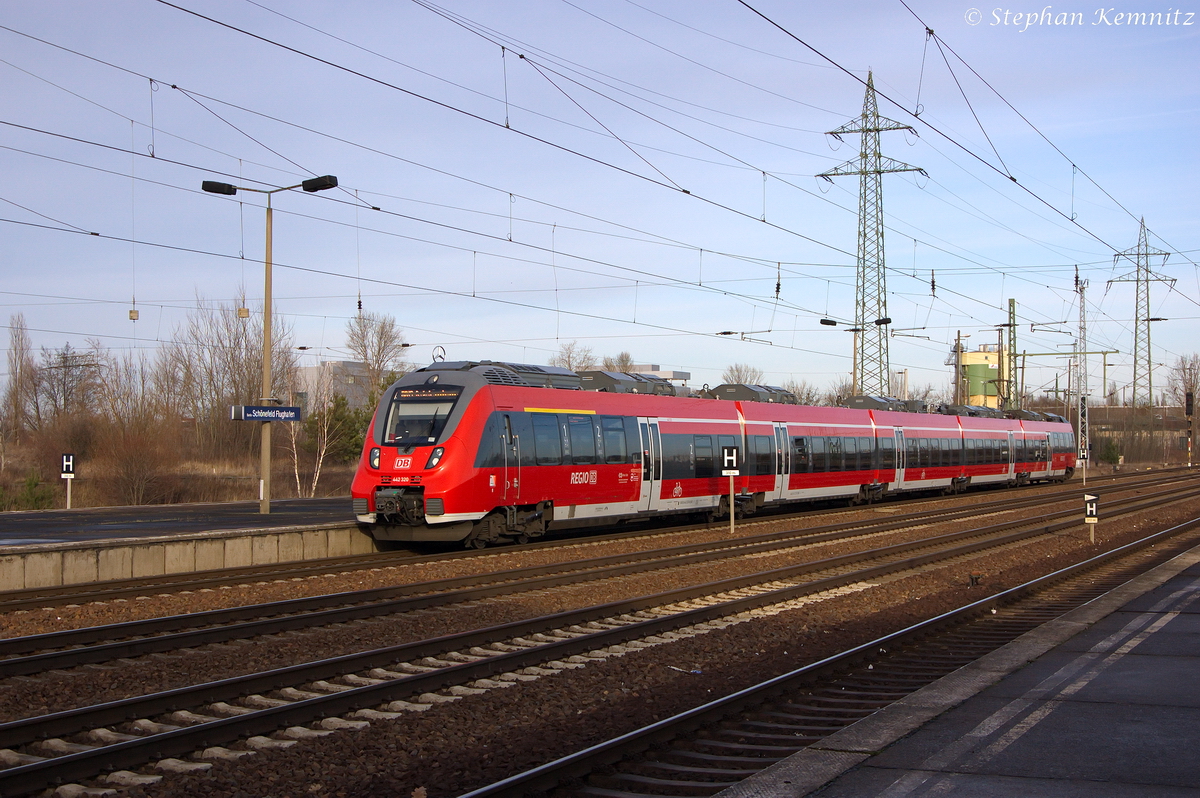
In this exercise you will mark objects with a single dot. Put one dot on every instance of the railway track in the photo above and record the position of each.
(75, 647)
(705, 750)
(52, 596)
(382, 683)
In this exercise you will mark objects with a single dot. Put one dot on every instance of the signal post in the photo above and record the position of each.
(729, 468)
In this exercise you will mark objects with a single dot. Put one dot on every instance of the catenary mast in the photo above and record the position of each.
(872, 365)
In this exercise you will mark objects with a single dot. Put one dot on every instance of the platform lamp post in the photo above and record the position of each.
(311, 185)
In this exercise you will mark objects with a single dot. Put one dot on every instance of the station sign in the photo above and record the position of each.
(1091, 508)
(264, 413)
(729, 461)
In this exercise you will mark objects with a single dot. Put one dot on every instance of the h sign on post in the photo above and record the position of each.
(68, 473)
(729, 461)
(1091, 512)
(729, 468)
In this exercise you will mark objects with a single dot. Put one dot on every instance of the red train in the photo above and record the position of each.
(484, 452)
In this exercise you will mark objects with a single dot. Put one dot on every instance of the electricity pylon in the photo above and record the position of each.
(872, 365)
(1143, 379)
(1010, 360)
(1081, 364)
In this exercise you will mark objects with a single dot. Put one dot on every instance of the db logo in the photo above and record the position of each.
(678, 490)
(583, 478)
(403, 462)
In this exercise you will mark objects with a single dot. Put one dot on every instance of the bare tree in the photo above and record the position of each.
(20, 394)
(377, 341)
(1184, 377)
(136, 443)
(841, 390)
(318, 398)
(931, 394)
(742, 374)
(805, 392)
(67, 381)
(571, 355)
(213, 361)
(623, 362)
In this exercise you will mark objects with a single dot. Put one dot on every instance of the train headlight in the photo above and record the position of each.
(373, 457)
(435, 457)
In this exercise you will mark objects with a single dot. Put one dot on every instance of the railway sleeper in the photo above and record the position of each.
(677, 786)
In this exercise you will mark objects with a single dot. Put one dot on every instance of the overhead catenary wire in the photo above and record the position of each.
(701, 255)
(764, 260)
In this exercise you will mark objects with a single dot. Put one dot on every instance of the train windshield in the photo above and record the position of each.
(418, 414)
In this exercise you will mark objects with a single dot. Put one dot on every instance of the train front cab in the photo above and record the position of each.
(416, 457)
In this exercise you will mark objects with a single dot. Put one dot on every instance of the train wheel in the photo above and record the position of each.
(490, 529)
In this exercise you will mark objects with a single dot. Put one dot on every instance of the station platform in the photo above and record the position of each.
(65, 547)
(1103, 702)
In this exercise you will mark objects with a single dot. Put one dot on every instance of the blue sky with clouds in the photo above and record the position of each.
(633, 175)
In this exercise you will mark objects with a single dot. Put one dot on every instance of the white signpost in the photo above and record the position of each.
(729, 468)
(68, 473)
(1091, 513)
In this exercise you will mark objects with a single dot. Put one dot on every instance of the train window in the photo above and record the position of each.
(801, 463)
(418, 415)
(677, 457)
(632, 441)
(490, 453)
(820, 460)
(645, 451)
(833, 454)
(564, 435)
(583, 440)
(764, 454)
(850, 453)
(522, 433)
(614, 439)
(656, 460)
(546, 440)
(704, 456)
(866, 453)
(887, 453)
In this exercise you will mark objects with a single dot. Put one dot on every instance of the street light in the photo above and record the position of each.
(310, 185)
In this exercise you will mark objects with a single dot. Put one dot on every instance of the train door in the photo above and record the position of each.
(901, 459)
(1012, 455)
(511, 444)
(651, 495)
(783, 462)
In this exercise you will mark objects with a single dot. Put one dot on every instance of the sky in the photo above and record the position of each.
(633, 175)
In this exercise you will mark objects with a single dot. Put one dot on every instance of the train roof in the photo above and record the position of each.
(525, 375)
